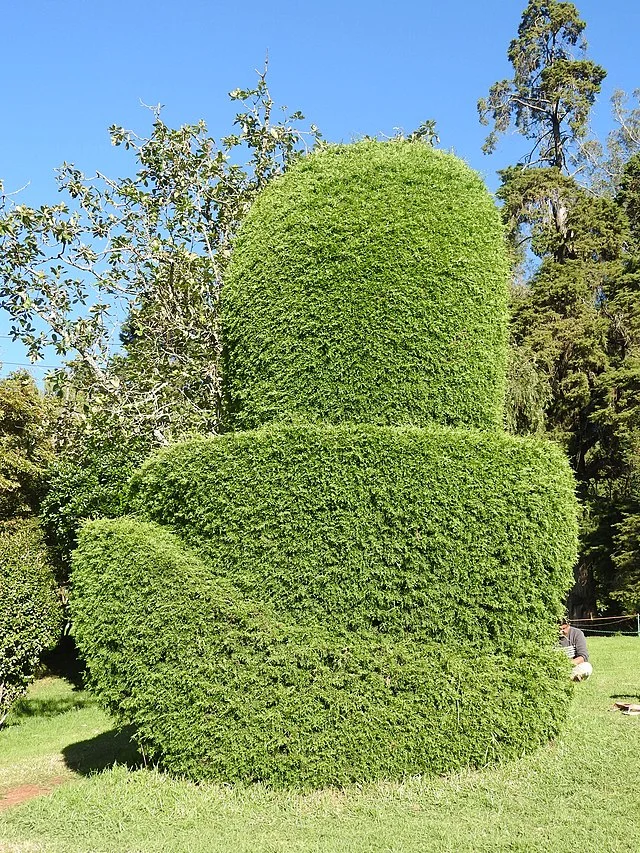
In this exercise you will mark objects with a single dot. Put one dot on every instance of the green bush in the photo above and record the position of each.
(444, 533)
(30, 611)
(220, 686)
(366, 583)
(26, 447)
(368, 284)
(93, 484)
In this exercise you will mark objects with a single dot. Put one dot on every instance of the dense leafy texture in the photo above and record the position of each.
(91, 482)
(368, 284)
(358, 587)
(443, 533)
(30, 611)
(26, 449)
(219, 686)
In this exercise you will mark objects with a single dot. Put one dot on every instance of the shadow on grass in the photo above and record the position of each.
(629, 696)
(27, 707)
(64, 661)
(103, 751)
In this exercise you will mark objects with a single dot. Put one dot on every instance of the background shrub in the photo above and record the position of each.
(368, 284)
(26, 447)
(219, 686)
(30, 611)
(91, 484)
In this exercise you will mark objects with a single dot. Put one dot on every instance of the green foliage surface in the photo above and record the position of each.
(445, 533)
(364, 584)
(91, 483)
(30, 611)
(26, 450)
(368, 284)
(219, 686)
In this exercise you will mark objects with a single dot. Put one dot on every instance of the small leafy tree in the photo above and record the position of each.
(150, 249)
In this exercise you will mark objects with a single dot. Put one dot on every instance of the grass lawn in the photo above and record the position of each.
(581, 793)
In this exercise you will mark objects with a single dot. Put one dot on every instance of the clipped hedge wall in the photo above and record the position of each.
(30, 610)
(445, 533)
(368, 284)
(220, 687)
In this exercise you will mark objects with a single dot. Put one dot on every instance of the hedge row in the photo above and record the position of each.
(219, 687)
(449, 534)
(30, 610)
(368, 284)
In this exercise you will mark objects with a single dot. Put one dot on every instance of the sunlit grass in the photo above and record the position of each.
(579, 793)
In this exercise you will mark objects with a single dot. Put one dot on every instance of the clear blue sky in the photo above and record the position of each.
(71, 68)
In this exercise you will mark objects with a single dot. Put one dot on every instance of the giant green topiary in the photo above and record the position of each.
(365, 585)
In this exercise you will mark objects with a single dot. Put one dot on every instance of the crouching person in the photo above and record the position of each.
(574, 645)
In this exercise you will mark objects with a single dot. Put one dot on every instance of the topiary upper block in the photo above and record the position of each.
(368, 284)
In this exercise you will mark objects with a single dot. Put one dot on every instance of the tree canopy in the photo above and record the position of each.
(571, 212)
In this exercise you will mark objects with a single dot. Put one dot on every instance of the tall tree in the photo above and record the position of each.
(152, 249)
(576, 244)
(551, 93)
(616, 476)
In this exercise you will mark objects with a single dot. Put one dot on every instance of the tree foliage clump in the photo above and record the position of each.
(406, 287)
(26, 448)
(30, 609)
(551, 93)
(350, 600)
(91, 482)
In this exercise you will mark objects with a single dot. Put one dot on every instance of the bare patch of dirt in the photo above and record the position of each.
(23, 793)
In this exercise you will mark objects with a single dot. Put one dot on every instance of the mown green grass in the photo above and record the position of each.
(577, 794)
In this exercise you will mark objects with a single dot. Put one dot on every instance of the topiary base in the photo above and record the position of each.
(353, 602)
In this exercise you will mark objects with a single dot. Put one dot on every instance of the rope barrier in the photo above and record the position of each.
(611, 633)
(604, 618)
(607, 625)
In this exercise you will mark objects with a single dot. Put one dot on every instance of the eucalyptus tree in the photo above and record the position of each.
(553, 87)
(569, 243)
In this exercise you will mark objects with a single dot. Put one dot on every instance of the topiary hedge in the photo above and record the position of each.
(365, 584)
(30, 610)
(221, 687)
(442, 533)
(368, 284)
